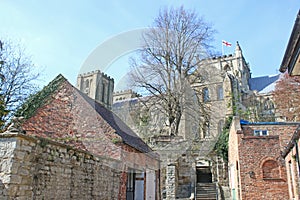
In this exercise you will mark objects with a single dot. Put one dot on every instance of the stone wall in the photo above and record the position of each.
(34, 168)
(171, 182)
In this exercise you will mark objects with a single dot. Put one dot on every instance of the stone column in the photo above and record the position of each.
(171, 183)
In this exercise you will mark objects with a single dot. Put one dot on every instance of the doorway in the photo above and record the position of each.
(204, 175)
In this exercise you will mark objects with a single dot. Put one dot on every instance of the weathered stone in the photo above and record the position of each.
(41, 178)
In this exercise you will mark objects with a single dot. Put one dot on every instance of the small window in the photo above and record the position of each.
(226, 67)
(220, 95)
(261, 132)
(264, 132)
(205, 93)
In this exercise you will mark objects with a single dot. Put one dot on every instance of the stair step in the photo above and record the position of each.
(206, 191)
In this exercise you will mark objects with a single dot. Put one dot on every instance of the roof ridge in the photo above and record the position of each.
(35, 101)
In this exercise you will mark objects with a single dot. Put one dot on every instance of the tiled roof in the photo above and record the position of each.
(52, 117)
(263, 84)
(127, 134)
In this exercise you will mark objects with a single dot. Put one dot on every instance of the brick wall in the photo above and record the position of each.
(257, 169)
(67, 118)
(283, 131)
(253, 153)
(34, 168)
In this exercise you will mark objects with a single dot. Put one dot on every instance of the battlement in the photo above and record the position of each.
(224, 56)
(91, 73)
(124, 95)
(124, 92)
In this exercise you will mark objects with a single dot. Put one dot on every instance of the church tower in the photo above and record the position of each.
(98, 86)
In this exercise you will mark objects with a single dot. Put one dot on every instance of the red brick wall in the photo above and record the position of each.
(69, 119)
(284, 132)
(261, 172)
(122, 189)
(253, 152)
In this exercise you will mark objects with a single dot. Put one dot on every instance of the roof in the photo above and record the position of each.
(127, 134)
(55, 93)
(263, 84)
(292, 52)
(292, 142)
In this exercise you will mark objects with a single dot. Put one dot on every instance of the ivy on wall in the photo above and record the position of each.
(39, 99)
(221, 146)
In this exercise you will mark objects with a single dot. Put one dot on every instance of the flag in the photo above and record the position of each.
(227, 44)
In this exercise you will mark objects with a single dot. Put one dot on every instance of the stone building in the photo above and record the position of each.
(258, 101)
(126, 94)
(225, 88)
(257, 169)
(68, 125)
(189, 157)
(98, 86)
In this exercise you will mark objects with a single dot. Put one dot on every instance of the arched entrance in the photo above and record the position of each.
(204, 175)
(203, 172)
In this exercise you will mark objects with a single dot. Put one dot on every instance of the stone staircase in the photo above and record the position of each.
(206, 191)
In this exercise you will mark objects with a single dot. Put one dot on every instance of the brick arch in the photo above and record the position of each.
(270, 168)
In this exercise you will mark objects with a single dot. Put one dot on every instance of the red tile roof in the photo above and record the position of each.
(71, 117)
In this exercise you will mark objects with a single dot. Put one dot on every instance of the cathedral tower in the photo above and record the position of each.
(98, 86)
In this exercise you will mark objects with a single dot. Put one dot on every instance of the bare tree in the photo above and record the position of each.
(17, 76)
(166, 66)
(287, 97)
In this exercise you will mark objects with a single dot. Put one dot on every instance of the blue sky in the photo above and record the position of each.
(61, 34)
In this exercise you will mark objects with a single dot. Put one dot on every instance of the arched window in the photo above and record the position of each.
(87, 86)
(270, 169)
(268, 104)
(206, 131)
(205, 93)
(220, 95)
(226, 67)
(103, 93)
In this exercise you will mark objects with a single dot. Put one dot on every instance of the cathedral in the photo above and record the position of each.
(189, 163)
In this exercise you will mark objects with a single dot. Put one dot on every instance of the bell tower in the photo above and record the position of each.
(98, 86)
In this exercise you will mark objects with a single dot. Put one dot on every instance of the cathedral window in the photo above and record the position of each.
(220, 94)
(206, 130)
(87, 86)
(226, 67)
(103, 93)
(205, 93)
(268, 104)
